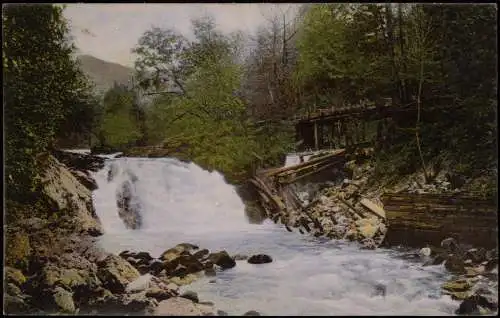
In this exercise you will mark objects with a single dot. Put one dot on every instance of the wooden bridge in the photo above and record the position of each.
(345, 127)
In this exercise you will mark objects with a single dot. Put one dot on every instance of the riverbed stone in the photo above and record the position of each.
(252, 313)
(260, 259)
(116, 273)
(15, 276)
(455, 264)
(191, 295)
(64, 300)
(457, 286)
(222, 259)
(178, 306)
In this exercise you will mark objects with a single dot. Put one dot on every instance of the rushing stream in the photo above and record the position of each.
(180, 202)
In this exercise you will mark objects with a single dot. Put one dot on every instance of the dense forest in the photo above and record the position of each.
(220, 99)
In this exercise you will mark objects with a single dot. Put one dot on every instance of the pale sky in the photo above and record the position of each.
(114, 29)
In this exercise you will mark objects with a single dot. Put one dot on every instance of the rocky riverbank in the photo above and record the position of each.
(64, 271)
(351, 210)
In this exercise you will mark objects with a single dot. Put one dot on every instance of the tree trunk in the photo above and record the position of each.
(404, 95)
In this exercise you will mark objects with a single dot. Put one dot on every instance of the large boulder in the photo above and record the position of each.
(260, 259)
(66, 193)
(222, 259)
(14, 276)
(251, 313)
(178, 306)
(81, 162)
(128, 206)
(64, 300)
(85, 179)
(116, 273)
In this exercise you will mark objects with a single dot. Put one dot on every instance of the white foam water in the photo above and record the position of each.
(180, 202)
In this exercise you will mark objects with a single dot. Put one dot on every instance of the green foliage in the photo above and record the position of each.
(43, 89)
(122, 121)
(445, 54)
(197, 105)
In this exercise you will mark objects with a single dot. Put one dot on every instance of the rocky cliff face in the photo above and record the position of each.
(70, 196)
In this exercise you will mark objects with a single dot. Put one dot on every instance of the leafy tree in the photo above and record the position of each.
(123, 119)
(42, 87)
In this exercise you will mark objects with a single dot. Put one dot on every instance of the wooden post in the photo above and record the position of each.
(332, 136)
(316, 135)
(364, 130)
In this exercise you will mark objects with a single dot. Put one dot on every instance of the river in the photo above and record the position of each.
(180, 202)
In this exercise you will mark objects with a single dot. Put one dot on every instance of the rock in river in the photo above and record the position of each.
(222, 259)
(260, 259)
(116, 273)
(128, 209)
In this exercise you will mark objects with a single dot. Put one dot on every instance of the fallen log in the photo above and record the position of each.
(264, 189)
(419, 219)
(339, 152)
(285, 180)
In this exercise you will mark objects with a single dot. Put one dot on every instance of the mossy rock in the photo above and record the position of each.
(456, 286)
(14, 276)
(18, 250)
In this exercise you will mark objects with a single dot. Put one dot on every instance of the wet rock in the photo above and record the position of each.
(140, 284)
(379, 290)
(64, 300)
(426, 252)
(15, 276)
(438, 260)
(137, 302)
(368, 244)
(66, 193)
(351, 235)
(456, 286)
(222, 259)
(201, 254)
(160, 294)
(188, 247)
(260, 259)
(455, 264)
(178, 306)
(85, 179)
(178, 250)
(128, 209)
(156, 266)
(450, 245)
(476, 255)
(116, 273)
(251, 313)
(210, 272)
(112, 172)
(469, 306)
(191, 295)
(15, 305)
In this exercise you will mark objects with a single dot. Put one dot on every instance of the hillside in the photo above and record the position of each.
(104, 73)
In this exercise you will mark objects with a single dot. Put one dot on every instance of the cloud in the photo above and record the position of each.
(117, 27)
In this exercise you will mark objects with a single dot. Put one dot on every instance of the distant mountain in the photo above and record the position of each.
(104, 74)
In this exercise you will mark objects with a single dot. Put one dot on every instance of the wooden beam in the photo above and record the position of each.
(316, 136)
